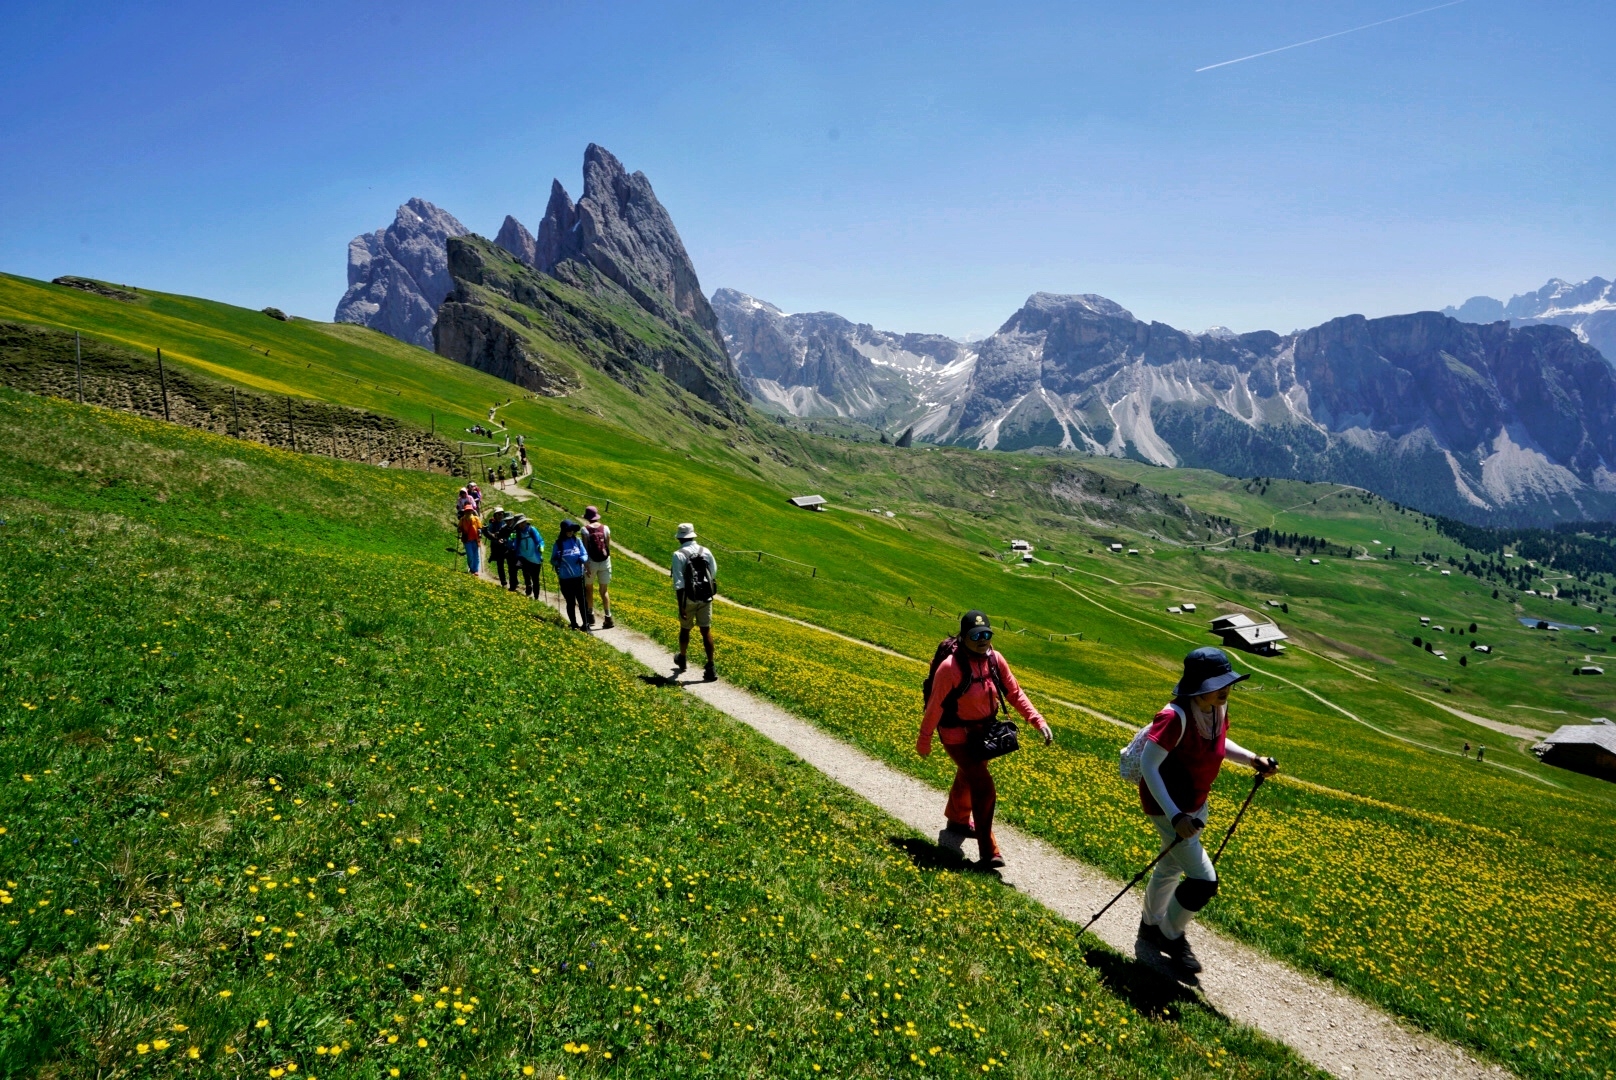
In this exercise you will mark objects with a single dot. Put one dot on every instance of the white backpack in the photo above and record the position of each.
(1131, 760)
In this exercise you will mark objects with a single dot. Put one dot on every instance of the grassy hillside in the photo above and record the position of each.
(287, 794)
(1367, 870)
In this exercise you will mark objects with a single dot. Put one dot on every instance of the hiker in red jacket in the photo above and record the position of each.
(967, 690)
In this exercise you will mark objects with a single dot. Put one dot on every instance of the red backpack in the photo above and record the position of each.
(597, 543)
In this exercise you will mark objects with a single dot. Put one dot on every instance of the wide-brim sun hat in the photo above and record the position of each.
(568, 525)
(591, 514)
(685, 531)
(1207, 670)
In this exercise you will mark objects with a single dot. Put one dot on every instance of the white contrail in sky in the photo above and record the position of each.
(1327, 37)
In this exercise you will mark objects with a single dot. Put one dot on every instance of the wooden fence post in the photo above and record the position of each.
(162, 380)
(78, 365)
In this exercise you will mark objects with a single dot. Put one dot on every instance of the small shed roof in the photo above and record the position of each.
(1601, 735)
(1258, 633)
(1230, 622)
(806, 501)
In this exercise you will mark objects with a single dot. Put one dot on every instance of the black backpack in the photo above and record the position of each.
(950, 646)
(699, 585)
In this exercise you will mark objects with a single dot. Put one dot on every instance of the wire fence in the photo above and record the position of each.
(643, 520)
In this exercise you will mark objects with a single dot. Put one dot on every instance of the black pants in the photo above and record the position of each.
(577, 603)
(531, 571)
(498, 558)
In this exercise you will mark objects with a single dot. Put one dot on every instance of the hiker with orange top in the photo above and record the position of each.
(471, 528)
(970, 684)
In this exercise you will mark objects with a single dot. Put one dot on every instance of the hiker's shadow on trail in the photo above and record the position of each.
(670, 680)
(1143, 982)
(928, 856)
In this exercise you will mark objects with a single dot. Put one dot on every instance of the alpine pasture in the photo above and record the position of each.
(1471, 898)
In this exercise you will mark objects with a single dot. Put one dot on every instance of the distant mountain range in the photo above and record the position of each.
(1491, 424)
(1460, 413)
(1587, 309)
(821, 364)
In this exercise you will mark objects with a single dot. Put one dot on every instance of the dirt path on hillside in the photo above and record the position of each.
(1339, 1033)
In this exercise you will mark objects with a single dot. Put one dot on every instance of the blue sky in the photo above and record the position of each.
(920, 167)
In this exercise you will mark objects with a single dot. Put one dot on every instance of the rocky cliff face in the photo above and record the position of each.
(606, 280)
(1587, 309)
(820, 364)
(528, 327)
(514, 238)
(621, 230)
(398, 276)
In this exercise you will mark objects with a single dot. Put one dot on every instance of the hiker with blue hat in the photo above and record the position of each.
(570, 560)
(1177, 757)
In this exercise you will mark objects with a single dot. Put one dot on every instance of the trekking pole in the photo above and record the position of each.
(1235, 824)
(1137, 878)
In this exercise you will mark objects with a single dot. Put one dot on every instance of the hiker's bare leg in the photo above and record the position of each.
(605, 603)
(706, 641)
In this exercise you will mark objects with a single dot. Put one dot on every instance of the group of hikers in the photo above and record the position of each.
(970, 689)
(582, 560)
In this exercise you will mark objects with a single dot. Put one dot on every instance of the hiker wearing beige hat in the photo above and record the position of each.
(695, 583)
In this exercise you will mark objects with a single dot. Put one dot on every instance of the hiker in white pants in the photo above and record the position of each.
(1186, 746)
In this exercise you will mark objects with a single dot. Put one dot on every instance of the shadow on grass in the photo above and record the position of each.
(928, 856)
(1144, 981)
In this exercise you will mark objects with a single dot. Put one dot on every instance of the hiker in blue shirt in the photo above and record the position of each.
(571, 559)
(529, 549)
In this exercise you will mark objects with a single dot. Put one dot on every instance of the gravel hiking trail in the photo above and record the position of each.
(1337, 1032)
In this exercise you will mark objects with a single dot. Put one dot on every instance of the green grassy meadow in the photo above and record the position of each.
(1473, 898)
(288, 794)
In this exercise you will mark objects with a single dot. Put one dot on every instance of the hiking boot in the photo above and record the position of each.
(1179, 952)
(606, 623)
(1152, 935)
(991, 861)
(708, 674)
(679, 664)
(951, 841)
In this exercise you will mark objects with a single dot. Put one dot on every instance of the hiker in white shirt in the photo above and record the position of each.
(695, 583)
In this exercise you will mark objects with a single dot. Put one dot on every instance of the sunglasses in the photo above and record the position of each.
(980, 635)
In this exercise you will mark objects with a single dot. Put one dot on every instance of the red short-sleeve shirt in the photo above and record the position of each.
(1192, 761)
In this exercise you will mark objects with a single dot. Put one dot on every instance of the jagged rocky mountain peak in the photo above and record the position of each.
(514, 238)
(738, 301)
(398, 275)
